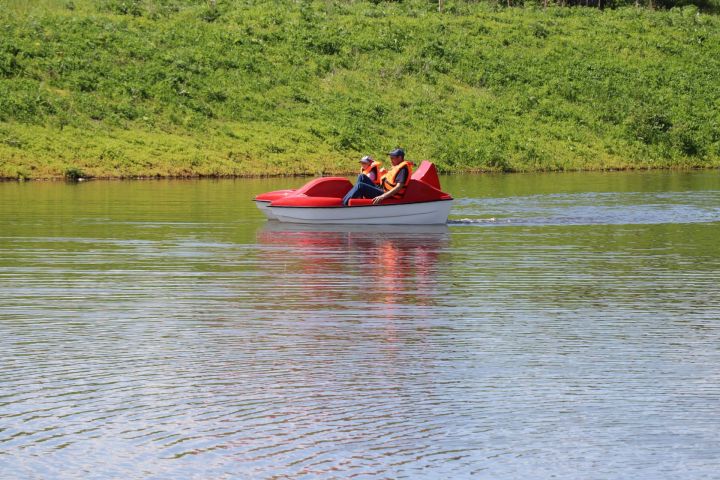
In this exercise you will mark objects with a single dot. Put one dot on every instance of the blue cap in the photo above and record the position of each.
(398, 152)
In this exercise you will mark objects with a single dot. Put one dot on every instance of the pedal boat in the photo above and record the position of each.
(320, 202)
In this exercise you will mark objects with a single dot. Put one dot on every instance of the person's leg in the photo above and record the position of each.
(362, 190)
(370, 190)
(362, 178)
(351, 193)
(359, 190)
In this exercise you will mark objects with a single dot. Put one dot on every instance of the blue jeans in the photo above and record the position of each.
(364, 188)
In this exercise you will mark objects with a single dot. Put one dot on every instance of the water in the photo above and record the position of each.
(561, 326)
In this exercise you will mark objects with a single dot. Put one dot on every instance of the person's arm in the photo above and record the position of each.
(401, 178)
(372, 175)
(389, 193)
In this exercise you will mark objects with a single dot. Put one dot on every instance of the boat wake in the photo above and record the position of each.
(479, 221)
(590, 209)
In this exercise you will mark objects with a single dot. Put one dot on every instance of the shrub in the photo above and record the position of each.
(649, 126)
(74, 174)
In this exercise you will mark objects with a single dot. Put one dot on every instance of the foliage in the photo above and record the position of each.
(73, 174)
(182, 87)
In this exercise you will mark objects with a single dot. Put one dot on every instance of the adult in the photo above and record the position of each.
(392, 183)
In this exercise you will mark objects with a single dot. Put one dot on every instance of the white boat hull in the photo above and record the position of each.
(264, 207)
(423, 213)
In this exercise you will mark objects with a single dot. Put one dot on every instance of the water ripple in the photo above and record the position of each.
(581, 343)
(591, 209)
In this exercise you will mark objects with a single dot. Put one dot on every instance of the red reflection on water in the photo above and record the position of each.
(385, 266)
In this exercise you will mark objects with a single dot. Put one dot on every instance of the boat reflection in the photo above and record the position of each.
(288, 227)
(367, 265)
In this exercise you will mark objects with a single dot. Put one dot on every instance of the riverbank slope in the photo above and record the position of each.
(127, 89)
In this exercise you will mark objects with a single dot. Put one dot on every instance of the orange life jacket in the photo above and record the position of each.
(388, 180)
(378, 171)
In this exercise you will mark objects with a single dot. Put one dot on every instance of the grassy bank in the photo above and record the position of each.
(130, 88)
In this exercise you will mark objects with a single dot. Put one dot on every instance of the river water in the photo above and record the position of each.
(561, 326)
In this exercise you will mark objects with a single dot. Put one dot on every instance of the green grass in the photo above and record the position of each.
(129, 88)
